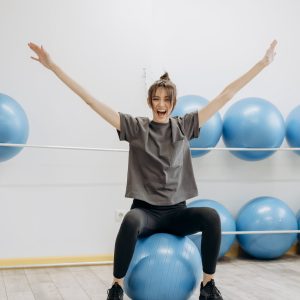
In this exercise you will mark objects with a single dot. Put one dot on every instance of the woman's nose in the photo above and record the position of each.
(161, 102)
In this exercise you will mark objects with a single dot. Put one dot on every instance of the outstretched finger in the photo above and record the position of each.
(34, 47)
(33, 44)
(274, 43)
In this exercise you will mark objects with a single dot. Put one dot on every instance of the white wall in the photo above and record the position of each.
(62, 202)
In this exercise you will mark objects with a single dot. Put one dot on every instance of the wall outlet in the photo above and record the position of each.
(120, 214)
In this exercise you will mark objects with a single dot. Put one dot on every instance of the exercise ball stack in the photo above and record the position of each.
(227, 224)
(14, 126)
(253, 123)
(266, 213)
(211, 131)
(163, 266)
(293, 128)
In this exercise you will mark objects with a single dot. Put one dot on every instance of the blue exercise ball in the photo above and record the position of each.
(163, 266)
(253, 123)
(292, 127)
(210, 132)
(227, 224)
(266, 213)
(14, 126)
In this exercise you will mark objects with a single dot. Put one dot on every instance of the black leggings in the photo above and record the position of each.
(145, 219)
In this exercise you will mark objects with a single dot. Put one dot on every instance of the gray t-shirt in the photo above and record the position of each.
(160, 168)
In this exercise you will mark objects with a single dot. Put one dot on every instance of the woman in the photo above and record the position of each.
(159, 165)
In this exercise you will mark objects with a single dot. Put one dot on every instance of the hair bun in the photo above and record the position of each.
(165, 76)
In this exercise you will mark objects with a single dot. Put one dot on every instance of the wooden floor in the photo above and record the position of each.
(236, 278)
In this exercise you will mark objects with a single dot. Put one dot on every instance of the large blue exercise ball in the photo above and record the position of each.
(165, 267)
(14, 126)
(253, 123)
(227, 224)
(266, 213)
(211, 131)
(292, 126)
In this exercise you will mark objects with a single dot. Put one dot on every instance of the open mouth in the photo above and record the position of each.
(161, 113)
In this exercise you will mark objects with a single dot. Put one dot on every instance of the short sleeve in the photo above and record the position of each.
(129, 127)
(190, 125)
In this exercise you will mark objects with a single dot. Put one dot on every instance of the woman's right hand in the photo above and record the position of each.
(42, 56)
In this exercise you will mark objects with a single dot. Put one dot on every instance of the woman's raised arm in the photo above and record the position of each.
(102, 109)
(217, 103)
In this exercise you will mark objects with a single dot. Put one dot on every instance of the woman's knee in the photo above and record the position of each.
(133, 221)
(214, 220)
(214, 215)
(209, 216)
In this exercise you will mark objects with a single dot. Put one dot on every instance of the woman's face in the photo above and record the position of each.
(161, 105)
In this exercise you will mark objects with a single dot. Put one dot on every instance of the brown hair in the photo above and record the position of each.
(166, 83)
